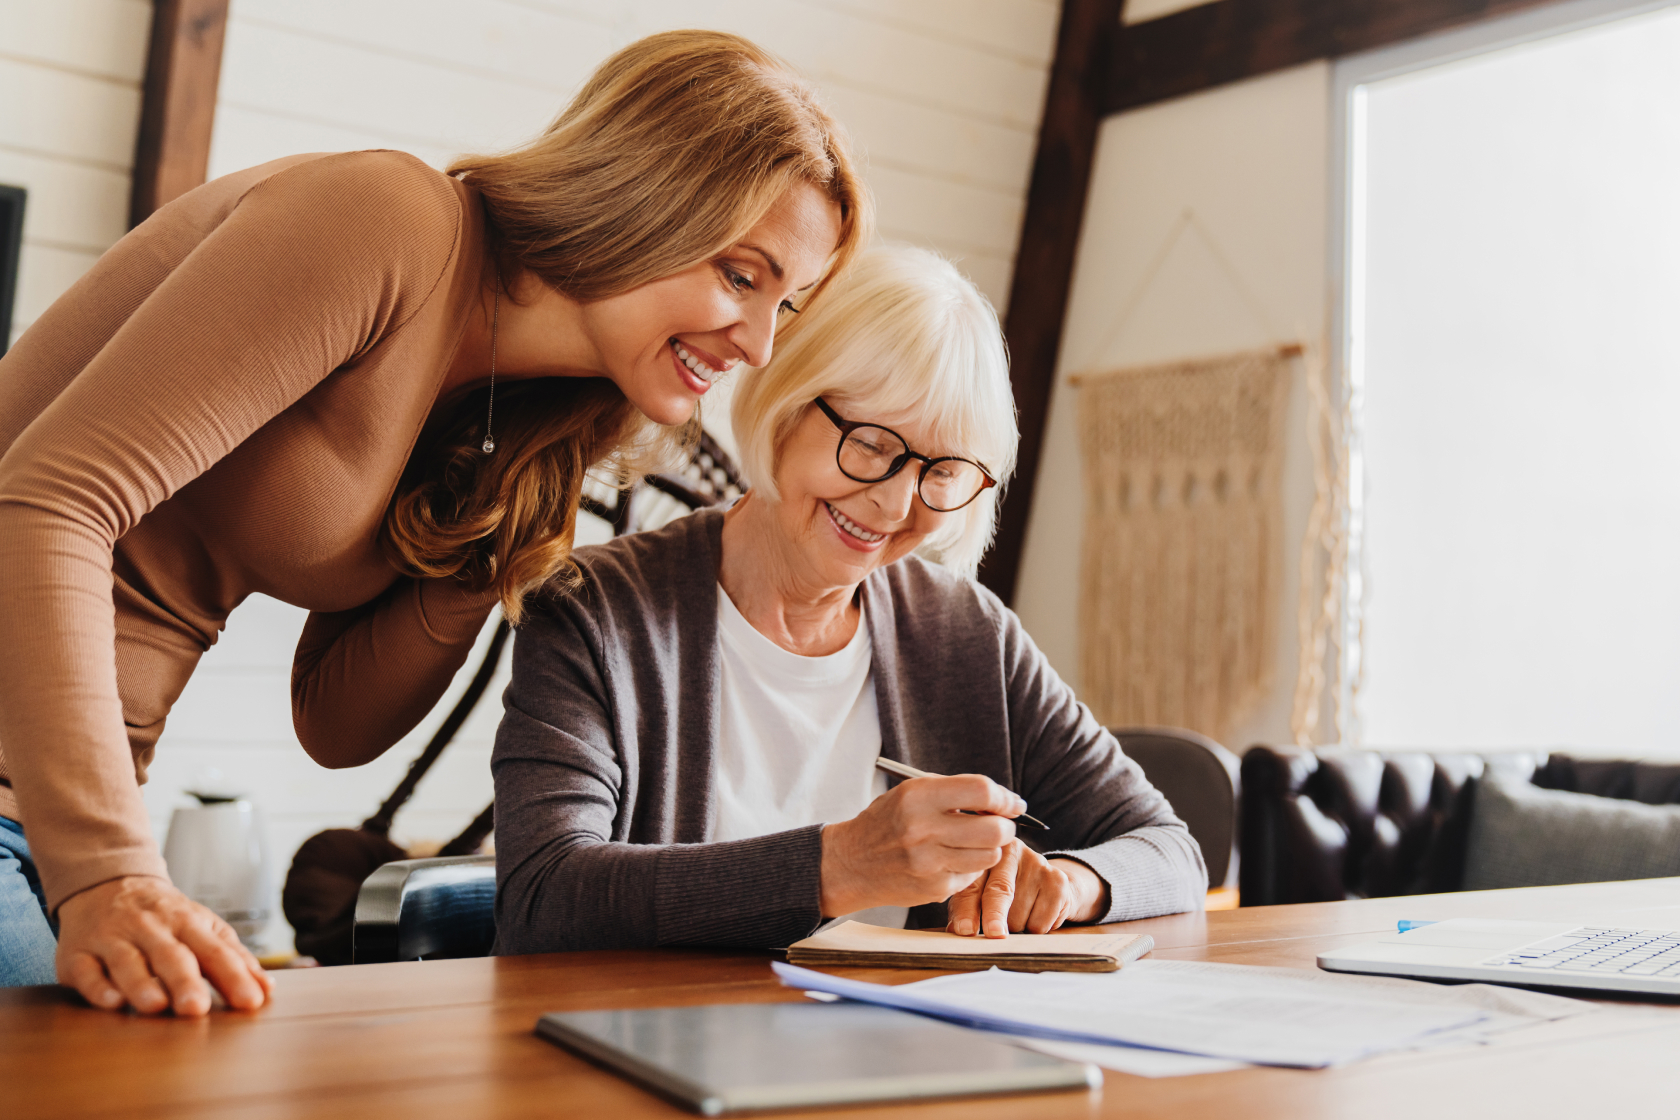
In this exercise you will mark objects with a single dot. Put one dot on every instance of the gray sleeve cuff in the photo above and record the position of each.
(765, 892)
(1149, 872)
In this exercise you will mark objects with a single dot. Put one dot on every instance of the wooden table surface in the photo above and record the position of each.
(454, 1038)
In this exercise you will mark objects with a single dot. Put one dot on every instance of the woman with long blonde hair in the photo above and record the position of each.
(372, 390)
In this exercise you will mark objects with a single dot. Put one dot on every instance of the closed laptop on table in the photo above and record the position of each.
(723, 1059)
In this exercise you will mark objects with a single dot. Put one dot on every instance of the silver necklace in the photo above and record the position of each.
(495, 324)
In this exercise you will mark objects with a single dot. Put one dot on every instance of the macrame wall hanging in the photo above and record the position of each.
(1180, 576)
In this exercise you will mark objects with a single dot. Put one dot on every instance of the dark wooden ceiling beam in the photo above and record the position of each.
(178, 106)
(1043, 276)
(1200, 48)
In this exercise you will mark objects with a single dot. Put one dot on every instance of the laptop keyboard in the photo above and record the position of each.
(1628, 952)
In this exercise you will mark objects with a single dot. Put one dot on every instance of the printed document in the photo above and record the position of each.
(1267, 1016)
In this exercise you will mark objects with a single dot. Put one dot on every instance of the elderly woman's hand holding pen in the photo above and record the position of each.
(923, 840)
(935, 837)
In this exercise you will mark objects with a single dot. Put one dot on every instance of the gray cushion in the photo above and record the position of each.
(1524, 836)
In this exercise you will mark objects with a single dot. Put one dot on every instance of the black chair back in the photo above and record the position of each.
(1200, 778)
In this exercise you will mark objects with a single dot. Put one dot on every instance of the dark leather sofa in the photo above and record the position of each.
(1329, 823)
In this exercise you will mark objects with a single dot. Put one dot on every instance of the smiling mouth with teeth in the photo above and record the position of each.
(700, 369)
(851, 526)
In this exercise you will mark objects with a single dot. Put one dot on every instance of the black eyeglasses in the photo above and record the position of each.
(871, 453)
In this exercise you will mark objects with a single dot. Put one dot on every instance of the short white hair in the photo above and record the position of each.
(901, 337)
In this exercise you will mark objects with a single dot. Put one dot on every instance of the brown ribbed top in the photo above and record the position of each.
(223, 405)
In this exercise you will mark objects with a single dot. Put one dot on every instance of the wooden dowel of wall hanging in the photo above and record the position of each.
(1284, 350)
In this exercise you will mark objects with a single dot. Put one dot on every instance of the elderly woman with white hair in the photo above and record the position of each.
(688, 754)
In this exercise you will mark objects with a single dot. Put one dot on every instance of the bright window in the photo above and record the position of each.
(1513, 321)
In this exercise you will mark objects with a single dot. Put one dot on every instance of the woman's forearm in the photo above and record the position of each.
(66, 746)
(574, 895)
(364, 678)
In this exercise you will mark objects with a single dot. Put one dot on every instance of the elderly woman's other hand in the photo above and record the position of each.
(917, 843)
(1025, 892)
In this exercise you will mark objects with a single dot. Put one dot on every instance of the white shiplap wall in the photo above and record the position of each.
(942, 98)
(70, 73)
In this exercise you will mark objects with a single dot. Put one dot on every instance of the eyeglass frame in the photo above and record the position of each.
(847, 427)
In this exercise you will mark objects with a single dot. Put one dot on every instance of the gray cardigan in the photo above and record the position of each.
(603, 761)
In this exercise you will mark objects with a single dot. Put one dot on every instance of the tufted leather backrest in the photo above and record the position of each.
(1328, 823)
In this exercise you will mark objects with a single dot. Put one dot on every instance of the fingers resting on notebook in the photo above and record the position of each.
(1026, 893)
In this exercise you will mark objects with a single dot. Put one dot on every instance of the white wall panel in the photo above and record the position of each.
(936, 142)
(977, 218)
(71, 205)
(844, 48)
(105, 38)
(511, 41)
(57, 112)
(1021, 29)
(306, 78)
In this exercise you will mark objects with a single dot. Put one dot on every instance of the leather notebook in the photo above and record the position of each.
(853, 944)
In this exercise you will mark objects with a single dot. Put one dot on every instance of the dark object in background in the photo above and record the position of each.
(319, 898)
(1324, 824)
(11, 243)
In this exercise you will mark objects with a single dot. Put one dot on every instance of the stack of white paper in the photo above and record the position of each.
(1238, 1013)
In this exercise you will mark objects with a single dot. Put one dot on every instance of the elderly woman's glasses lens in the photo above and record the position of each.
(871, 453)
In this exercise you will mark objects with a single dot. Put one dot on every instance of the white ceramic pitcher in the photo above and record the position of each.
(217, 852)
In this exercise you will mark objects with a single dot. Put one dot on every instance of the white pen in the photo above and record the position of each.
(904, 771)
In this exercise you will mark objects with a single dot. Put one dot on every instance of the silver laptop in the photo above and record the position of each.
(722, 1059)
(1532, 954)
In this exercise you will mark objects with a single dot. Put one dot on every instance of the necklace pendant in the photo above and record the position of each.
(489, 445)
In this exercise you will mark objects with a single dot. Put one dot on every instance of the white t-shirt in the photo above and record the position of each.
(798, 737)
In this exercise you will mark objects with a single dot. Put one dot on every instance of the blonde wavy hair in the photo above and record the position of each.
(674, 149)
(904, 338)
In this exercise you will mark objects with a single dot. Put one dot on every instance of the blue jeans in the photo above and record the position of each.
(27, 937)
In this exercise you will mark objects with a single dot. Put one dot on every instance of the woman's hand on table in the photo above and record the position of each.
(139, 942)
(1027, 893)
(915, 843)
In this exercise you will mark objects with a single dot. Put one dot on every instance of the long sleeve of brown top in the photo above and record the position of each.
(223, 405)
